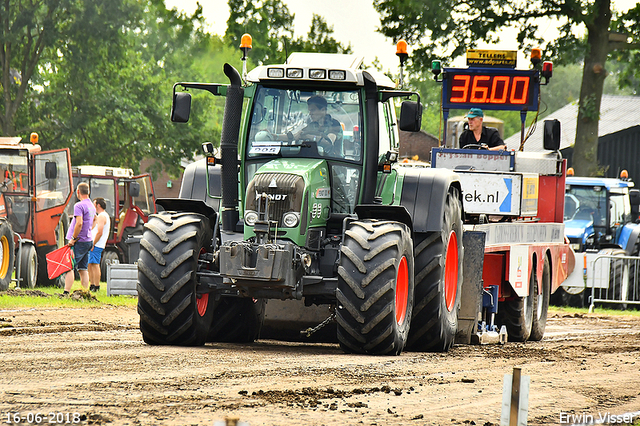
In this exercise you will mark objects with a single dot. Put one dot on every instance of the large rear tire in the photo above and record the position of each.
(375, 288)
(171, 312)
(28, 266)
(237, 320)
(541, 305)
(438, 257)
(517, 314)
(6, 254)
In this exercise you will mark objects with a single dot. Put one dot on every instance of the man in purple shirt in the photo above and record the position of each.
(79, 236)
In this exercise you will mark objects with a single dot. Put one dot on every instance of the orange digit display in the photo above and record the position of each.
(491, 89)
(463, 88)
(499, 89)
(479, 90)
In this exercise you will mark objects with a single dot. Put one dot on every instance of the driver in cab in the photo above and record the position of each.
(324, 129)
(478, 135)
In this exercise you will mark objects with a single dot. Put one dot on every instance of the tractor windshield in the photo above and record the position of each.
(305, 123)
(15, 171)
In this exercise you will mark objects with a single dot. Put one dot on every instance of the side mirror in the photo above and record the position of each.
(410, 116)
(134, 189)
(634, 200)
(551, 139)
(181, 107)
(50, 170)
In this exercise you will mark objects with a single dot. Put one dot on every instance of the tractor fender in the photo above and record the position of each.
(378, 211)
(192, 188)
(185, 205)
(630, 234)
(424, 193)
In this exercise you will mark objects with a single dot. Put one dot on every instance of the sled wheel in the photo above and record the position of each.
(517, 314)
(237, 320)
(6, 255)
(28, 266)
(171, 312)
(375, 288)
(541, 305)
(438, 257)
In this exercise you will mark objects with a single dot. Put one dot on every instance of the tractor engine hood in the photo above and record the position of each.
(578, 229)
(293, 194)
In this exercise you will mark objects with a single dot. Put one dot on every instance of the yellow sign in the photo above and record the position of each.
(491, 58)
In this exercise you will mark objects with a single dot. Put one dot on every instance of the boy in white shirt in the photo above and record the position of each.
(100, 233)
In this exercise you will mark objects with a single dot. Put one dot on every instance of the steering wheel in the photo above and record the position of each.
(326, 145)
(476, 146)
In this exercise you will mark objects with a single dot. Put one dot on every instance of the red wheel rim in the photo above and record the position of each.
(451, 271)
(202, 302)
(402, 290)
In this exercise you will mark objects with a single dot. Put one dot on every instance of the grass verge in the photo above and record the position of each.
(51, 297)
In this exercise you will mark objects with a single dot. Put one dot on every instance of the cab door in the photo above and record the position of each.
(52, 188)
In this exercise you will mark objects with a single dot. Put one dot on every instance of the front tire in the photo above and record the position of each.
(6, 254)
(28, 266)
(438, 282)
(108, 256)
(237, 320)
(375, 288)
(171, 312)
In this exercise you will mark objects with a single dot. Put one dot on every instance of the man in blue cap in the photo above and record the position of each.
(477, 134)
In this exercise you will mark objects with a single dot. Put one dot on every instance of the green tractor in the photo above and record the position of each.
(329, 220)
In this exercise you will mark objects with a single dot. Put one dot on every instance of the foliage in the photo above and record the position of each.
(272, 22)
(448, 28)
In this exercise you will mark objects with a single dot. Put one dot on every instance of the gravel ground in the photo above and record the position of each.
(93, 362)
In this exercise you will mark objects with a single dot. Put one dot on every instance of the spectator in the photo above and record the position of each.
(100, 234)
(79, 236)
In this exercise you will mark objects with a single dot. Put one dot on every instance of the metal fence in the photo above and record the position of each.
(615, 281)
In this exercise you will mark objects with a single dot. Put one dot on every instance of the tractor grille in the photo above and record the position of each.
(283, 192)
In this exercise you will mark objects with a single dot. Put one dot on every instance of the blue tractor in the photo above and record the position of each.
(601, 218)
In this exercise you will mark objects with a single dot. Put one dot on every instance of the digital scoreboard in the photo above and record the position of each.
(490, 88)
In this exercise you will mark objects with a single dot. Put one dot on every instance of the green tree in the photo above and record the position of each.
(270, 19)
(272, 24)
(453, 27)
(319, 39)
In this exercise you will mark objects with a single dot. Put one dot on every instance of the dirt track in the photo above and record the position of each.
(93, 362)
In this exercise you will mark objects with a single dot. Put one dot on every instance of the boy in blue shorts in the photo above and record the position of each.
(100, 232)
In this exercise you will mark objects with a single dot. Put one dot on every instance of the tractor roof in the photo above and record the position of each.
(318, 68)
(598, 181)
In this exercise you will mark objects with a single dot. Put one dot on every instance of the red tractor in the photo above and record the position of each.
(130, 200)
(36, 186)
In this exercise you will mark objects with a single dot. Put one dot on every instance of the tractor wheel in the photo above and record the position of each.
(375, 288)
(517, 314)
(6, 254)
(108, 257)
(237, 320)
(438, 281)
(562, 297)
(171, 312)
(541, 305)
(28, 266)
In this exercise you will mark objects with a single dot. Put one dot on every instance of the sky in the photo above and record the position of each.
(353, 21)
